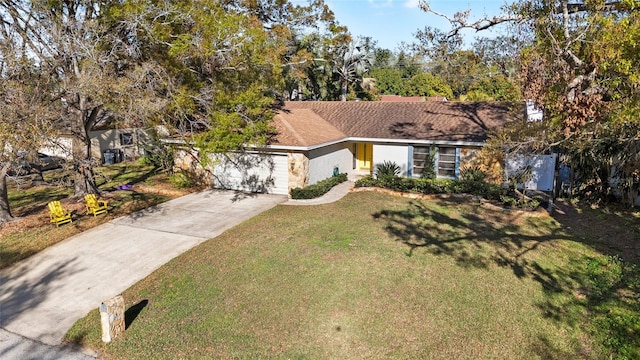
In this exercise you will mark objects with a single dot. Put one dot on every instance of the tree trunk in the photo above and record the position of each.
(5, 209)
(343, 86)
(84, 181)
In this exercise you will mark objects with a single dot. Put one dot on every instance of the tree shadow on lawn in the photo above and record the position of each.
(33, 201)
(437, 232)
(614, 231)
(578, 290)
(123, 173)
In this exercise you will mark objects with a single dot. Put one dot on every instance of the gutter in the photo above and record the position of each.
(353, 139)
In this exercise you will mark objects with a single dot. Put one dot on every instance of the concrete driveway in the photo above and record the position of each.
(44, 295)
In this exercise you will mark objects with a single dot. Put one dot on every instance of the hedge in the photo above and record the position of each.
(434, 186)
(318, 189)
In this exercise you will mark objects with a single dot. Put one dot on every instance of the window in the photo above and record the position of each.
(444, 160)
(422, 158)
(126, 139)
(447, 162)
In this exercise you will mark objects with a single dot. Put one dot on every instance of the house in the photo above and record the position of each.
(123, 144)
(313, 140)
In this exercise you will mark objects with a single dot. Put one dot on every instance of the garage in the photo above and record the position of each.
(252, 172)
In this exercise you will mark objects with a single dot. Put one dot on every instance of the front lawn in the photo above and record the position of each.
(375, 276)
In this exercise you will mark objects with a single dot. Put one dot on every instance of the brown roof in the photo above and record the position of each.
(303, 127)
(316, 122)
(398, 98)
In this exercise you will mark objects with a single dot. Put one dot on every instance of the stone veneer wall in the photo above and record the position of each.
(298, 170)
(467, 155)
(186, 160)
(491, 166)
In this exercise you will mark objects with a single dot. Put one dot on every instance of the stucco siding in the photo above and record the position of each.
(103, 140)
(398, 154)
(323, 161)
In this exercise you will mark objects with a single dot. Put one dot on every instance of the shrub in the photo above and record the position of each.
(180, 180)
(520, 202)
(367, 181)
(431, 186)
(387, 169)
(318, 189)
(494, 192)
(479, 188)
(429, 172)
(472, 174)
(435, 186)
(157, 153)
(396, 183)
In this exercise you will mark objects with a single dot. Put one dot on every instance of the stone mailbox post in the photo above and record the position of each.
(112, 318)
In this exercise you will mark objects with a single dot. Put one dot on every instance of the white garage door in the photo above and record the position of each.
(252, 172)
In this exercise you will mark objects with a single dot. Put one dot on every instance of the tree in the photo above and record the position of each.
(583, 69)
(426, 84)
(388, 81)
(210, 67)
(308, 62)
(409, 64)
(351, 62)
(494, 87)
(25, 121)
(382, 58)
(90, 60)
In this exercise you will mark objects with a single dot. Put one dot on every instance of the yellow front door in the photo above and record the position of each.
(364, 154)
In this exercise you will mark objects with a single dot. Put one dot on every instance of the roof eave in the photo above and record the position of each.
(377, 140)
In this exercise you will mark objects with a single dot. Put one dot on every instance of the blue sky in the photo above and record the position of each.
(392, 21)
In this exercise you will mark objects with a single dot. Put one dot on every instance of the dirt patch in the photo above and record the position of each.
(613, 230)
(162, 189)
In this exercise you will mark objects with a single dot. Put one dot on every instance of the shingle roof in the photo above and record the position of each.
(303, 127)
(398, 98)
(320, 121)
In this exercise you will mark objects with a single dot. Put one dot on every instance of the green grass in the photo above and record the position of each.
(376, 277)
(22, 239)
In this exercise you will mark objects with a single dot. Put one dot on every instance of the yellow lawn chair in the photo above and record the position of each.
(95, 206)
(57, 214)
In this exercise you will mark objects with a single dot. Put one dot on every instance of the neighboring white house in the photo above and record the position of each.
(314, 140)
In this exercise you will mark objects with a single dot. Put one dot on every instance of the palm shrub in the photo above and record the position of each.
(387, 169)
